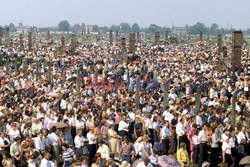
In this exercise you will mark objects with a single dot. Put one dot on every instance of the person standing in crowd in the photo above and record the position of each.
(91, 136)
(127, 150)
(123, 127)
(68, 155)
(46, 160)
(54, 139)
(165, 138)
(114, 141)
(242, 139)
(79, 143)
(203, 145)
(146, 147)
(16, 151)
(181, 131)
(215, 150)
(227, 152)
(196, 143)
(182, 155)
(104, 151)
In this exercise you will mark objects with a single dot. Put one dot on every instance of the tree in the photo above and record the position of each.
(195, 29)
(214, 29)
(76, 28)
(115, 27)
(95, 28)
(135, 27)
(64, 26)
(12, 27)
(153, 28)
(125, 28)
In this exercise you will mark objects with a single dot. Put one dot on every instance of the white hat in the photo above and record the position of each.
(125, 164)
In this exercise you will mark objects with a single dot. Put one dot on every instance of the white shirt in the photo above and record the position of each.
(180, 129)
(90, 137)
(53, 139)
(1, 143)
(123, 126)
(79, 141)
(149, 123)
(198, 120)
(44, 163)
(39, 143)
(168, 116)
(14, 133)
(63, 104)
(195, 140)
(242, 136)
(79, 124)
(226, 147)
(202, 136)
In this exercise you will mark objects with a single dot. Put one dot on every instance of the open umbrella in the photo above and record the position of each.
(166, 161)
(245, 160)
(59, 125)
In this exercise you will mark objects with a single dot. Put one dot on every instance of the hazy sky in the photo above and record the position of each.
(225, 13)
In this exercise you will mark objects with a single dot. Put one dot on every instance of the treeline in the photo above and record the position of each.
(127, 28)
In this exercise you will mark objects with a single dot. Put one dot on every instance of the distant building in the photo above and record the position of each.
(23, 29)
(88, 29)
(180, 31)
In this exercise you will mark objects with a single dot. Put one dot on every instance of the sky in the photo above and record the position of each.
(225, 13)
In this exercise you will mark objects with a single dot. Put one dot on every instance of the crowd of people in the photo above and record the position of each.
(54, 122)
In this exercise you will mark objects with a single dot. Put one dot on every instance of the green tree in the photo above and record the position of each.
(64, 26)
(214, 29)
(12, 27)
(125, 28)
(153, 28)
(115, 27)
(135, 27)
(195, 29)
(95, 28)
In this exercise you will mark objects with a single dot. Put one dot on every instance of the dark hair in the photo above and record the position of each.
(65, 145)
(53, 129)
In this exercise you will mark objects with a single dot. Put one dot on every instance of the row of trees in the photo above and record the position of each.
(126, 28)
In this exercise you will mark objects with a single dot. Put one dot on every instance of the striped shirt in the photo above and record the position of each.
(67, 154)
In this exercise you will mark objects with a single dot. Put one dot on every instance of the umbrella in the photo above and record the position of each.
(59, 125)
(165, 161)
(137, 162)
(245, 160)
(55, 95)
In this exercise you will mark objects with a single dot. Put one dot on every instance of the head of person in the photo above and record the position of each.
(183, 146)
(146, 161)
(65, 146)
(145, 138)
(47, 155)
(100, 143)
(126, 140)
(79, 132)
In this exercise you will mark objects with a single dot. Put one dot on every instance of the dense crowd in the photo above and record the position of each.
(56, 123)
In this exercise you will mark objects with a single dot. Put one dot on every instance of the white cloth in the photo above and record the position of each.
(39, 143)
(91, 137)
(53, 139)
(226, 147)
(46, 163)
(180, 129)
(123, 126)
(202, 136)
(79, 141)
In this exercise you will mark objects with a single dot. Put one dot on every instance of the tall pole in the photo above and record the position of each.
(123, 44)
(157, 38)
(30, 40)
(111, 37)
(1, 36)
(166, 89)
(237, 41)
(132, 43)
